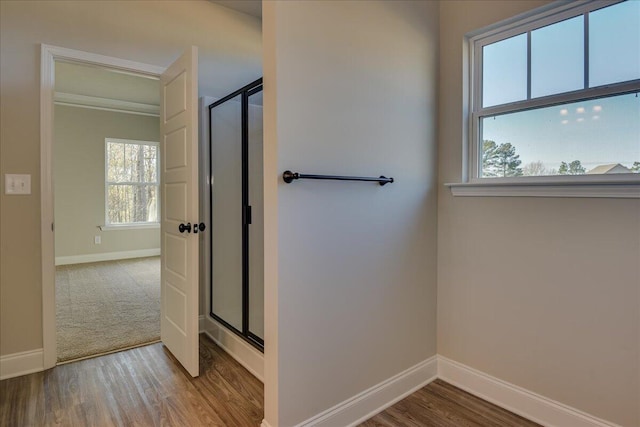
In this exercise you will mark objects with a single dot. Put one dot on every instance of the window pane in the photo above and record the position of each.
(504, 71)
(599, 136)
(136, 156)
(150, 162)
(132, 203)
(614, 44)
(119, 204)
(131, 162)
(115, 162)
(557, 58)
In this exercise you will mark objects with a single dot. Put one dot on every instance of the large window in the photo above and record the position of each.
(556, 95)
(132, 182)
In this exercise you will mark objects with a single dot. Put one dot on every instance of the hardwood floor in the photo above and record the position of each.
(440, 404)
(142, 387)
(147, 387)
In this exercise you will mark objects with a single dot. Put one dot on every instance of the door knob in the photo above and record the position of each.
(201, 226)
(198, 227)
(182, 228)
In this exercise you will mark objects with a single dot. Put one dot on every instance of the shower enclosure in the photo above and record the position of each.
(237, 227)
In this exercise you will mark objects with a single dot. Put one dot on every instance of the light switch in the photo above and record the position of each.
(17, 184)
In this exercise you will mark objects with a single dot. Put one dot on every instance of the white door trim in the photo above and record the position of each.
(48, 56)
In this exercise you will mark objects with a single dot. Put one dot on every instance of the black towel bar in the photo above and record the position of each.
(289, 177)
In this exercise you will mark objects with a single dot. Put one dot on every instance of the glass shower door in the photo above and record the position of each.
(256, 229)
(237, 226)
(226, 212)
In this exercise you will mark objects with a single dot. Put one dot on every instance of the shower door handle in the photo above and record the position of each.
(246, 217)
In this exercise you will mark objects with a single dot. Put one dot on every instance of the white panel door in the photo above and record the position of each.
(179, 188)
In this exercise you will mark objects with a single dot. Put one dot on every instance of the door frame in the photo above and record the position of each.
(48, 56)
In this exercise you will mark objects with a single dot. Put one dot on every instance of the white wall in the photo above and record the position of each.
(350, 88)
(79, 179)
(153, 32)
(539, 292)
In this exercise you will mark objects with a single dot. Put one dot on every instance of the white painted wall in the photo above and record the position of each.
(79, 180)
(350, 88)
(540, 292)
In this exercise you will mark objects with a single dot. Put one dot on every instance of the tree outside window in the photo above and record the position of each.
(131, 182)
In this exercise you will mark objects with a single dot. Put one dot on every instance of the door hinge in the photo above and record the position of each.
(53, 228)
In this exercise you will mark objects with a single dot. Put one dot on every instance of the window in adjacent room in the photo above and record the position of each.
(557, 95)
(132, 182)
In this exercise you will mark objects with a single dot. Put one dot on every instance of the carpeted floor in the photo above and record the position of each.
(106, 306)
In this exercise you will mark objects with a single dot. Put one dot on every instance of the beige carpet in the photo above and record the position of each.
(106, 306)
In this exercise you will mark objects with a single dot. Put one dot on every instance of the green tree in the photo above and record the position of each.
(488, 157)
(500, 160)
(636, 167)
(573, 168)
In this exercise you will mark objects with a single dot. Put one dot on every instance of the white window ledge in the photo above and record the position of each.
(628, 188)
(129, 227)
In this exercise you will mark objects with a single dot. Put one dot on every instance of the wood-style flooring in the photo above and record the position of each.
(146, 386)
(440, 404)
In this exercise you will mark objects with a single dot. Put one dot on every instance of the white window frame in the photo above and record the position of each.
(131, 225)
(618, 186)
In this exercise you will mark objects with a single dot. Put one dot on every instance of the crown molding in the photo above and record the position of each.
(106, 104)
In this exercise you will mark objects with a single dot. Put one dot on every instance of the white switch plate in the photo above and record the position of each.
(17, 184)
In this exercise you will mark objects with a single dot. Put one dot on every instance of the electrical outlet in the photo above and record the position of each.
(97, 240)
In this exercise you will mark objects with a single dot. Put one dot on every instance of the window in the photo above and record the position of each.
(557, 94)
(132, 183)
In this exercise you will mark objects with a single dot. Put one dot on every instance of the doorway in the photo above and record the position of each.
(106, 186)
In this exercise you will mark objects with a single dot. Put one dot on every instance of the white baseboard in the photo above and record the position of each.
(265, 424)
(239, 349)
(16, 364)
(516, 399)
(201, 323)
(364, 405)
(106, 256)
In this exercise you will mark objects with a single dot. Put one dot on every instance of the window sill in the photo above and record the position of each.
(129, 227)
(617, 189)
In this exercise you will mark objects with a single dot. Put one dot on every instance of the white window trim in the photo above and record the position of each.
(623, 186)
(131, 225)
(618, 186)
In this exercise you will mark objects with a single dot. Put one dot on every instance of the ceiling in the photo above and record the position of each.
(250, 7)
